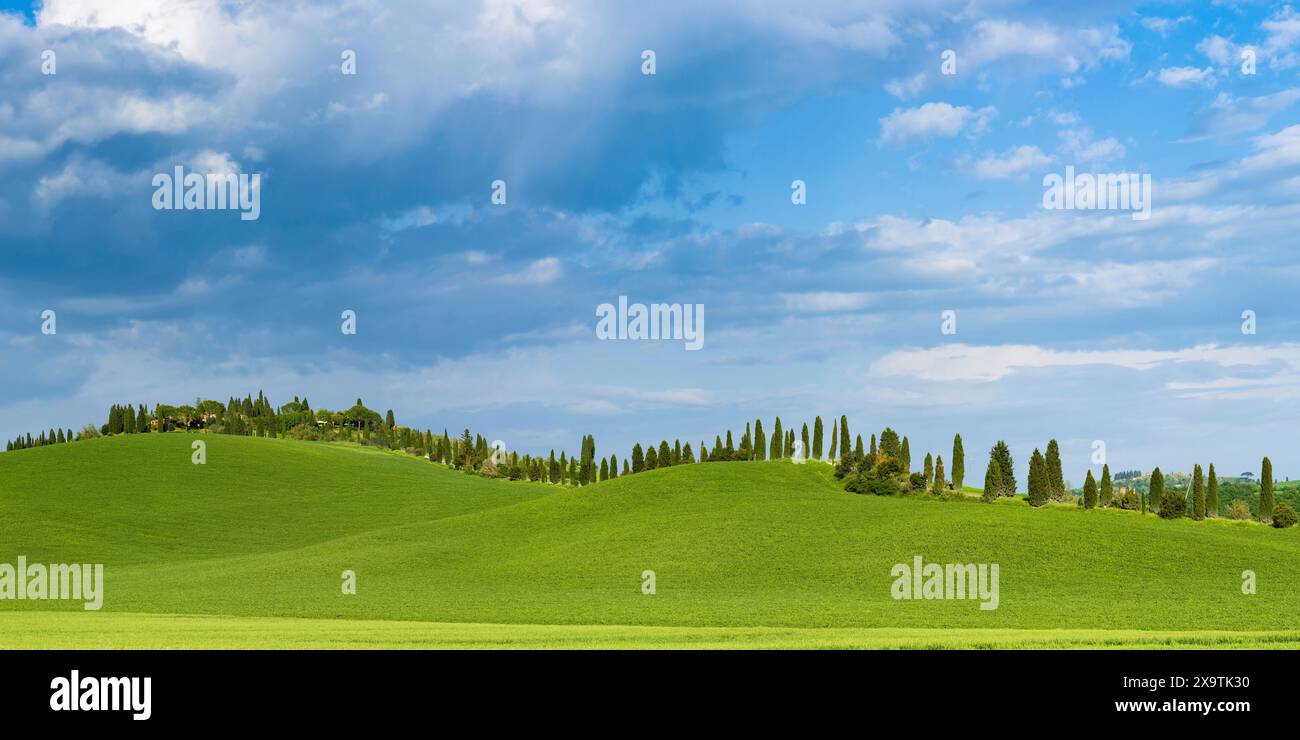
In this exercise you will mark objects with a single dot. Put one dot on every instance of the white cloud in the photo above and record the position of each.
(1186, 77)
(1282, 33)
(1081, 146)
(1015, 162)
(934, 120)
(1069, 50)
(538, 272)
(1164, 26)
(1228, 115)
(985, 363)
(826, 301)
(907, 88)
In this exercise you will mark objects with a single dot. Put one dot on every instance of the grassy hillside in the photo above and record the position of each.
(758, 553)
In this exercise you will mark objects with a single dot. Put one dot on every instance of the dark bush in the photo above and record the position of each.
(1173, 505)
(889, 466)
(1127, 500)
(1284, 516)
(916, 482)
(872, 484)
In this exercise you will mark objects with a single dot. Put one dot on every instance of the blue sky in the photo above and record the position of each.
(924, 195)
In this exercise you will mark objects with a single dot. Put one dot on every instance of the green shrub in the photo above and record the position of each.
(872, 484)
(1283, 516)
(916, 482)
(1127, 500)
(1238, 510)
(1173, 505)
(312, 433)
(889, 466)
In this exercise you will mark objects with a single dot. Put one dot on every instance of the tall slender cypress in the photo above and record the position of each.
(1266, 491)
(1198, 493)
(1156, 491)
(958, 462)
(992, 481)
(1001, 454)
(844, 435)
(1055, 477)
(1040, 487)
(1212, 494)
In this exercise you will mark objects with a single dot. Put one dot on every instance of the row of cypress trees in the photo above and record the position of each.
(54, 437)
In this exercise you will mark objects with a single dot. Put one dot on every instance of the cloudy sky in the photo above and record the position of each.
(924, 195)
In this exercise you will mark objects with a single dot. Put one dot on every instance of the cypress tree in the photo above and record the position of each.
(807, 443)
(613, 467)
(835, 440)
(844, 435)
(958, 463)
(604, 469)
(874, 452)
(858, 454)
(1198, 494)
(388, 420)
(1089, 492)
(778, 440)
(665, 455)
(651, 458)
(1056, 478)
(889, 444)
(688, 456)
(1266, 491)
(1107, 489)
(992, 481)
(638, 458)
(817, 439)
(760, 441)
(625, 470)
(905, 457)
(677, 451)
(928, 470)
(1156, 491)
(939, 483)
(1001, 454)
(1040, 487)
(1212, 494)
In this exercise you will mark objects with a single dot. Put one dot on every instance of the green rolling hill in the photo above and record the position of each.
(248, 550)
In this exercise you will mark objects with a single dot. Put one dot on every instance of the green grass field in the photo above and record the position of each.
(247, 551)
